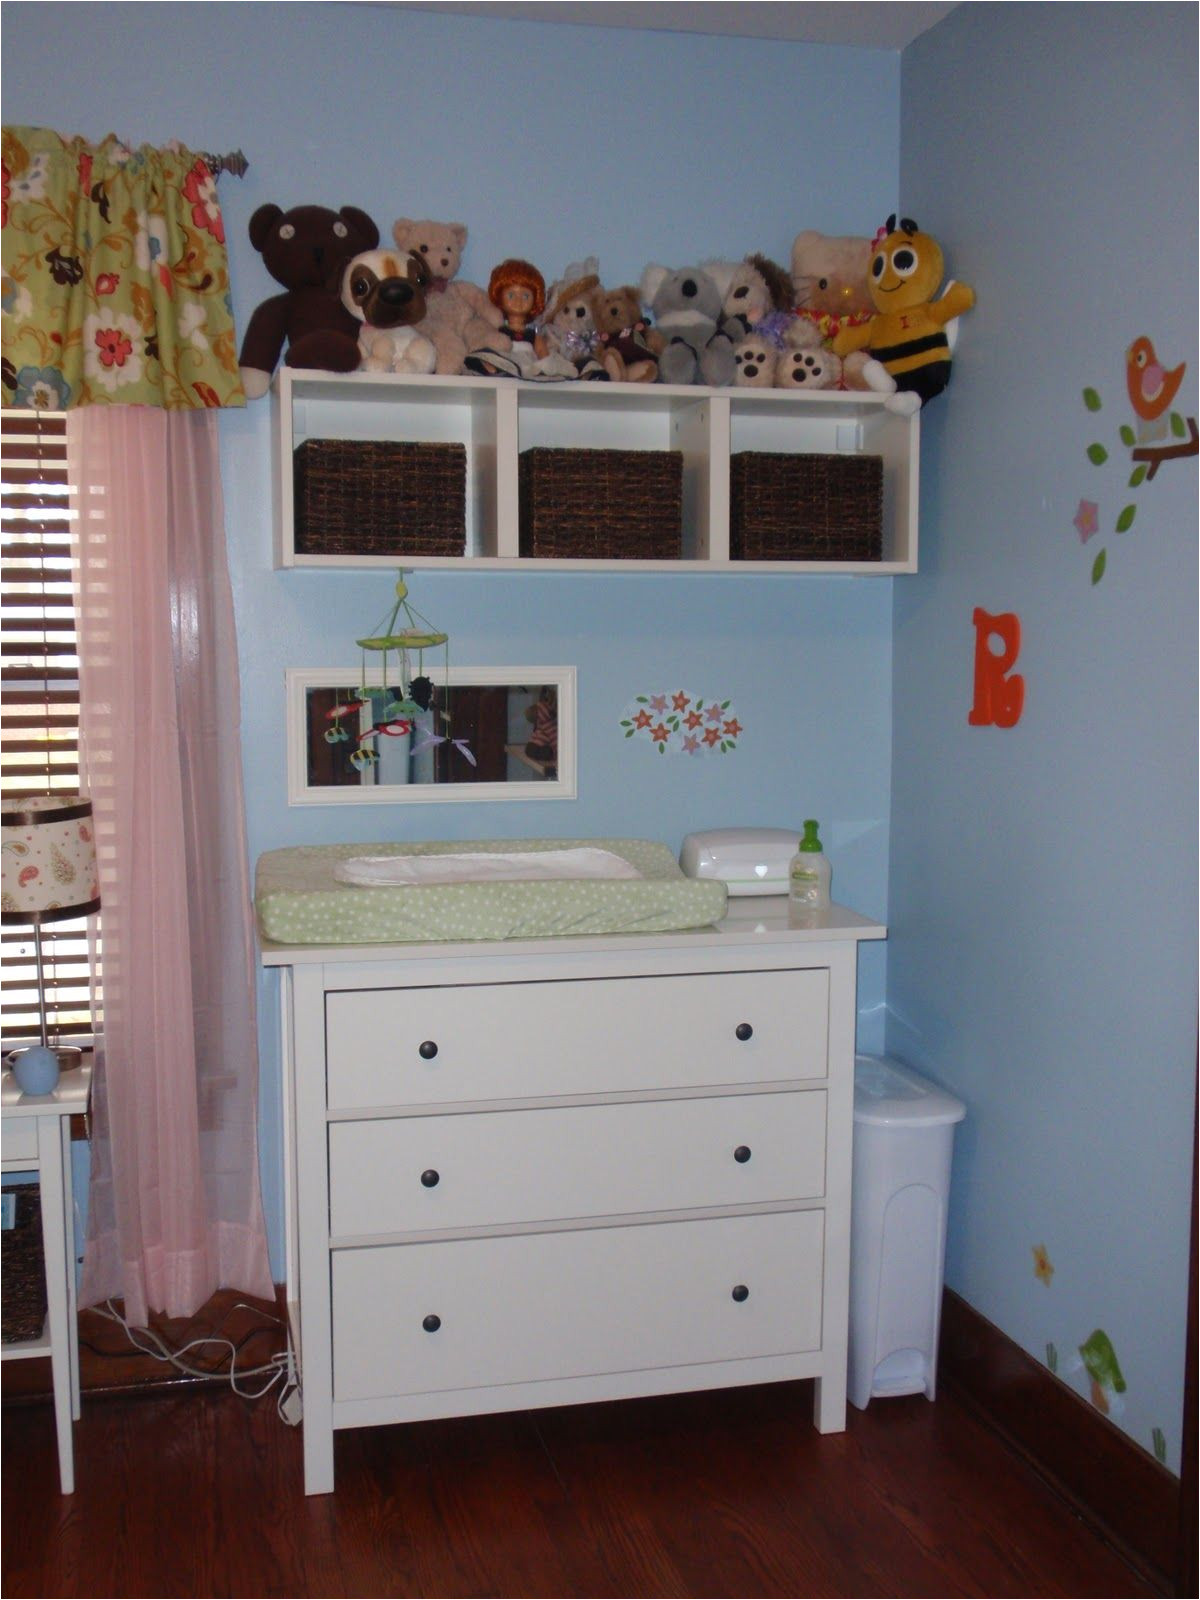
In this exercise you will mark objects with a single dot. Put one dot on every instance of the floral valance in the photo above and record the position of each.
(116, 277)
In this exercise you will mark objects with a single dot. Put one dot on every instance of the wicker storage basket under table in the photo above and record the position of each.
(367, 497)
(22, 1268)
(805, 507)
(609, 505)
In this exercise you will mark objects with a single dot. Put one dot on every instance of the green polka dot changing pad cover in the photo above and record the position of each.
(300, 899)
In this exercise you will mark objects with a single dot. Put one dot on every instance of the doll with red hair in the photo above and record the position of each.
(518, 291)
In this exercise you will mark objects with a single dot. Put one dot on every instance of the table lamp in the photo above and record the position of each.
(49, 874)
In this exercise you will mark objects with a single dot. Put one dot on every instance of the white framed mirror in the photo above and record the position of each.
(488, 733)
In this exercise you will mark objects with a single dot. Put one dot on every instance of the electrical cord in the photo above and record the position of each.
(280, 1369)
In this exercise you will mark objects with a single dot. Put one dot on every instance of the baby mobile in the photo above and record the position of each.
(406, 694)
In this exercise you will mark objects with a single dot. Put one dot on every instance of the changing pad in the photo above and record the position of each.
(300, 900)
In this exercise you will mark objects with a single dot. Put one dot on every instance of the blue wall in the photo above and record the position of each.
(553, 143)
(1042, 909)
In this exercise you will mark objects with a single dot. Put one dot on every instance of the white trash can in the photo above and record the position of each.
(903, 1141)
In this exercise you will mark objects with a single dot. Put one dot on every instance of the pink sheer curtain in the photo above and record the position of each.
(175, 1209)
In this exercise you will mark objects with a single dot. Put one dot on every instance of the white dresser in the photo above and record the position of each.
(529, 1173)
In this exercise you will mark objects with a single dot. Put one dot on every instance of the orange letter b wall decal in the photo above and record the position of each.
(999, 692)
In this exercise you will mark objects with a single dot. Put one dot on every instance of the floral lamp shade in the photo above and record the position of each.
(49, 853)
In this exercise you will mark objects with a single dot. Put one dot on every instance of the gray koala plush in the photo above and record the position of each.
(689, 334)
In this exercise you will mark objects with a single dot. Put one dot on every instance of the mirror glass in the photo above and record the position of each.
(470, 733)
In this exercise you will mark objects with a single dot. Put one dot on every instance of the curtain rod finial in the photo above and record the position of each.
(234, 162)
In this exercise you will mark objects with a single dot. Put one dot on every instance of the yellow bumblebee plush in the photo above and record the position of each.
(907, 339)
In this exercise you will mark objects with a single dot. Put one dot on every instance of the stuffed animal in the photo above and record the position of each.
(831, 280)
(624, 347)
(385, 291)
(830, 283)
(569, 324)
(690, 337)
(754, 360)
(808, 369)
(458, 317)
(305, 249)
(906, 339)
(757, 295)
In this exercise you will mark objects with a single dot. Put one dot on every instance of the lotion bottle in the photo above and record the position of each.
(809, 873)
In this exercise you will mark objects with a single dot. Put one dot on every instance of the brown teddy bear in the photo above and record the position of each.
(459, 317)
(306, 249)
(621, 330)
(569, 324)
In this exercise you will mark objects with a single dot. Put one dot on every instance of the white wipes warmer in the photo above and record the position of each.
(746, 860)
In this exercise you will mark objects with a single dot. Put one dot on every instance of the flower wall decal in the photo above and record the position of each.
(683, 724)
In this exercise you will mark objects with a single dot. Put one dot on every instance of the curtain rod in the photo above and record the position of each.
(234, 162)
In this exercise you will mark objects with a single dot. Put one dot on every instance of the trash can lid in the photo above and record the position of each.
(889, 1095)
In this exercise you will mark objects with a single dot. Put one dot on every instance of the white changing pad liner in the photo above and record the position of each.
(484, 866)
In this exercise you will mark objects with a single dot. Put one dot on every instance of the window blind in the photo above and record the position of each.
(39, 677)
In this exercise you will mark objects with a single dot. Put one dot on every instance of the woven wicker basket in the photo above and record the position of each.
(611, 505)
(805, 507)
(22, 1269)
(367, 497)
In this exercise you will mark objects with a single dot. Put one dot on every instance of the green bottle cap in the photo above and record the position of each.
(810, 840)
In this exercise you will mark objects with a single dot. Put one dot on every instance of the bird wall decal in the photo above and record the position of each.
(1151, 387)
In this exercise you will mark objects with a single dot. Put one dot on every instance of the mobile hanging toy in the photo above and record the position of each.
(405, 635)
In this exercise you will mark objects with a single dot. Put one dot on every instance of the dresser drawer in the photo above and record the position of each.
(410, 1319)
(404, 1174)
(528, 1040)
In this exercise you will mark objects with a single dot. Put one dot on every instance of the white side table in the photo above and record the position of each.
(37, 1135)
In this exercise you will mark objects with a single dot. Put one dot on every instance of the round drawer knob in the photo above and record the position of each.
(742, 1153)
(430, 1178)
(431, 1323)
(740, 1292)
(427, 1051)
(743, 1031)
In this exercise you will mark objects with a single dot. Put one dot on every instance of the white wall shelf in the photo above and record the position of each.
(496, 419)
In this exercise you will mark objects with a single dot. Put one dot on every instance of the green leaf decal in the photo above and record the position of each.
(1178, 426)
(1125, 520)
(1128, 436)
(1091, 399)
(1098, 566)
(1097, 454)
(1137, 475)
(1160, 1445)
(1052, 1357)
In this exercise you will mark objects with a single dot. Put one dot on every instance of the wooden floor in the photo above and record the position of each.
(195, 1492)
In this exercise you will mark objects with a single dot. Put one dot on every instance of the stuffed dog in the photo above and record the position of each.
(385, 291)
